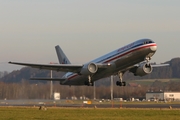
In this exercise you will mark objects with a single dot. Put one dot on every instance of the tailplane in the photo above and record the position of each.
(61, 56)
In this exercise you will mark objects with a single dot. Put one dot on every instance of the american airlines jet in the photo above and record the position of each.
(134, 57)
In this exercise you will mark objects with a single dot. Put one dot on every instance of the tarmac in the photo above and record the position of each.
(80, 104)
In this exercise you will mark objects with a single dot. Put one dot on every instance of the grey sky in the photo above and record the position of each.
(29, 29)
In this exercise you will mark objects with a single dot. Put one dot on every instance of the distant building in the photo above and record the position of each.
(57, 96)
(166, 96)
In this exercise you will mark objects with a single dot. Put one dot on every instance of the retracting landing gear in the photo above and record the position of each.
(148, 60)
(120, 83)
(89, 82)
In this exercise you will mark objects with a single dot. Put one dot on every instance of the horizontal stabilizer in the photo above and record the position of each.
(49, 79)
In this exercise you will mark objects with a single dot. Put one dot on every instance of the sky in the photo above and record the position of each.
(85, 30)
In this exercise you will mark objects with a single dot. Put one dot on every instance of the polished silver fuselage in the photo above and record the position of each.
(120, 60)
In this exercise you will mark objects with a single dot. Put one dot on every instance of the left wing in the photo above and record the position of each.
(55, 67)
(49, 79)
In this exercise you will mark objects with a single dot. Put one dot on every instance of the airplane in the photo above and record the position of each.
(134, 57)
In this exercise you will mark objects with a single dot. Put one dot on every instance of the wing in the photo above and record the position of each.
(131, 68)
(55, 67)
(49, 79)
(153, 65)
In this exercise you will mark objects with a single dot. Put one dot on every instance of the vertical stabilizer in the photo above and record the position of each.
(61, 56)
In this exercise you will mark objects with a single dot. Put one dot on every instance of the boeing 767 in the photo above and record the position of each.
(134, 57)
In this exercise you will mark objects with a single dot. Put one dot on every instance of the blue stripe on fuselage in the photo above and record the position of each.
(121, 52)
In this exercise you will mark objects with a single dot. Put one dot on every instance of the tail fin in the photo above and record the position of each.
(61, 56)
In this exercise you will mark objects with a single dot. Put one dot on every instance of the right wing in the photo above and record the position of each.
(55, 67)
(160, 65)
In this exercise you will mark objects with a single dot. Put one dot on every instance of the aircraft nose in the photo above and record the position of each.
(153, 48)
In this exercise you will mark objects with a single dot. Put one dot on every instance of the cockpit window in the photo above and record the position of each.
(147, 42)
(150, 41)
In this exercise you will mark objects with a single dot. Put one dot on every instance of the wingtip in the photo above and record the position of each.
(9, 62)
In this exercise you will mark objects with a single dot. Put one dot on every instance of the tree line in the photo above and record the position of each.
(26, 90)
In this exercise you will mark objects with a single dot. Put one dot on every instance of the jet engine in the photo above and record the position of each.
(88, 69)
(142, 70)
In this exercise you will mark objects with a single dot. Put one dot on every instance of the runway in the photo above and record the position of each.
(135, 105)
(79, 104)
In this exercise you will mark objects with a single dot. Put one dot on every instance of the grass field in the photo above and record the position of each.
(23, 113)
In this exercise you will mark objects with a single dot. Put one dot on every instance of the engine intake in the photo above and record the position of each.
(142, 70)
(88, 69)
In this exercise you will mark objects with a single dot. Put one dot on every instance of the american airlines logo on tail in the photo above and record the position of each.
(64, 61)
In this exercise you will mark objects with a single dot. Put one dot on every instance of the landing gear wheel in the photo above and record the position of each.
(91, 84)
(123, 83)
(120, 83)
(88, 83)
(117, 83)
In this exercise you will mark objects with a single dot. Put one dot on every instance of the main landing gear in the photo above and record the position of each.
(120, 83)
(89, 82)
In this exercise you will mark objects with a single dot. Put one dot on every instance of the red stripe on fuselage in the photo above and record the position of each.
(119, 56)
(73, 76)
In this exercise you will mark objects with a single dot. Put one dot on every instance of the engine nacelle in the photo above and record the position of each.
(88, 69)
(142, 70)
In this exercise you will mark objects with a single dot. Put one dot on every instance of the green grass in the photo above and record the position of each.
(23, 113)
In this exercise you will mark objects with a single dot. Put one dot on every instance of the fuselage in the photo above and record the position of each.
(120, 59)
